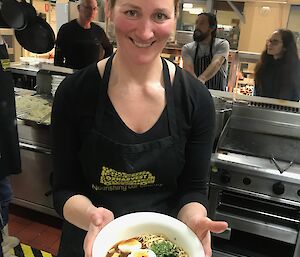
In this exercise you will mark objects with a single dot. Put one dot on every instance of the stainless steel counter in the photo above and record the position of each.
(20, 68)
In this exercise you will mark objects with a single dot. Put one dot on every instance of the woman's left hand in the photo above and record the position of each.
(202, 227)
(194, 215)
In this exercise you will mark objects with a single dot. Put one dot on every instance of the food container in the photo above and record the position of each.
(149, 223)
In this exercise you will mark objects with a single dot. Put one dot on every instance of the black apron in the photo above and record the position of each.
(126, 178)
(218, 81)
(10, 162)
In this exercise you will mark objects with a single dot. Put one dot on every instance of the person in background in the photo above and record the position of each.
(277, 74)
(207, 56)
(81, 42)
(10, 162)
(132, 133)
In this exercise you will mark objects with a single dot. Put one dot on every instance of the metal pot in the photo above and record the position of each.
(18, 15)
(3, 24)
(38, 37)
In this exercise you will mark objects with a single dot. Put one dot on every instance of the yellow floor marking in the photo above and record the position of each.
(45, 254)
(27, 250)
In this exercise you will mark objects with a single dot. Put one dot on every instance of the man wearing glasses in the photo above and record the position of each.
(81, 42)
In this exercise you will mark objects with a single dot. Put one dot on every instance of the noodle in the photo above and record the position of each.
(149, 239)
(161, 246)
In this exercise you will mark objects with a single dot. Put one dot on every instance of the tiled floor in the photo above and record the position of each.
(38, 230)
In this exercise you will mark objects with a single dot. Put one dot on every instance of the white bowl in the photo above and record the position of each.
(139, 223)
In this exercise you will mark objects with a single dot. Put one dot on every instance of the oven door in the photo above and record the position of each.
(33, 187)
(217, 253)
(258, 226)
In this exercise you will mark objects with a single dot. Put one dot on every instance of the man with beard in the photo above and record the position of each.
(81, 42)
(207, 56)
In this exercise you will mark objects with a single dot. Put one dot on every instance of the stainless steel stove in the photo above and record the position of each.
(255, 182)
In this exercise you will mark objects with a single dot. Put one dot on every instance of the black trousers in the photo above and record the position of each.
(1, 237)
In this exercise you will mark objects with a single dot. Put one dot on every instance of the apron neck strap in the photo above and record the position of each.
(170, 101)
(107, 70)
(196, 66)
(103, 96)
(211, 46)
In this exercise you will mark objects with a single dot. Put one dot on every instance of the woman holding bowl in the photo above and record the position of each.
(132, 133)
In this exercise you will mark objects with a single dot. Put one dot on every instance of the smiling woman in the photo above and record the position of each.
(131, 22)
(139, 137)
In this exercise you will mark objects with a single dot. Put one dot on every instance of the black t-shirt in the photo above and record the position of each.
(77, 47)
(73, 117)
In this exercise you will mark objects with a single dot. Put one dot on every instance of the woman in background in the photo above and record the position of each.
(277, 74)
(132, 133)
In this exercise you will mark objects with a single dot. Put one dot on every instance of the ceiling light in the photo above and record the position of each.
(187, 6)
(196, 10)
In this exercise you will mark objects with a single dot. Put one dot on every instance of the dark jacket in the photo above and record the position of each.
(10, 162)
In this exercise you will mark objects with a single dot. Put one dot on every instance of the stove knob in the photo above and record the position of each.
(225, 178)
(278, 188)
(247, 181)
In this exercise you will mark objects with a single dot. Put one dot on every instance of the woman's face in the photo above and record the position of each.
(275, 45)
(142, 27)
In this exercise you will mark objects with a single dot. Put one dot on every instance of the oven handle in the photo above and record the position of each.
(34, 148)
(225, 234)
(255, 194)
(257, 227)
(261, 213)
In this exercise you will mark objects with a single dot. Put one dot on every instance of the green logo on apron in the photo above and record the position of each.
(5, 63)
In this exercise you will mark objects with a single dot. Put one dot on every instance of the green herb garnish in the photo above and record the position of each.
(164, 249)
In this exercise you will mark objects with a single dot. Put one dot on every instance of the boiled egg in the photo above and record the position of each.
(129, 245)
(142, 253)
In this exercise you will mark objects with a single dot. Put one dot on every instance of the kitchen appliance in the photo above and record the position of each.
(255, 181)
(24, 76)
(33, 187)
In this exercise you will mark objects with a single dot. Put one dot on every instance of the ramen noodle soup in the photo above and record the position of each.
(146, 246)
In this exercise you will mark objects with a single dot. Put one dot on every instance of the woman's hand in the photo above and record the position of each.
(194, 215)
(202, 227)
(99, 217)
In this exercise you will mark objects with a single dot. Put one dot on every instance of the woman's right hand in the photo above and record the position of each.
(99, 217)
